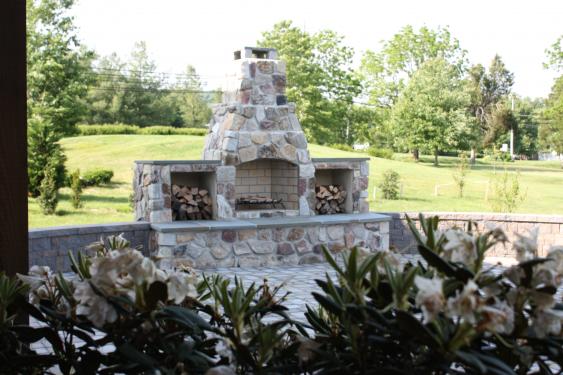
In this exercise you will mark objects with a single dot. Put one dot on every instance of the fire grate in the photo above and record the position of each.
(258, 201)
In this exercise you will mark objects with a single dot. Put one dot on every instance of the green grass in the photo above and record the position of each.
(543, 181)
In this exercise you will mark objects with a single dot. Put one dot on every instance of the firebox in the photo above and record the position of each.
(266, 184)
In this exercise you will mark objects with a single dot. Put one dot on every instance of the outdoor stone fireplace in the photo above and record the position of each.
(257, 197)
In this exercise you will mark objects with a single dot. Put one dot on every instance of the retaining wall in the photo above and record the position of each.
(50, 246)
(550, 229)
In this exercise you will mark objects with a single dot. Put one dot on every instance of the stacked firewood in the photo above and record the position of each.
(191, 203)
(331, 199)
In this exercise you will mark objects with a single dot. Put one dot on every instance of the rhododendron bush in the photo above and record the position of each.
(450, 313)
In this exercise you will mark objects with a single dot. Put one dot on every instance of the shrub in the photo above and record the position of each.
(384, 153)
(42, 149)
(48, 190)
(76, 187)
(376, 316)
(390, 184)
(507, 192)
(460, 173)
(97, 177)
(111, 129)
(453, 313)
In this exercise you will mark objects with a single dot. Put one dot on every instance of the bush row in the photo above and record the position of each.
(92, 177)
(109, 129)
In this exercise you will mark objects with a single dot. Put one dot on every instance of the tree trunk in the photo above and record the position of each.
(473, 156)
(415, 154)
(436, 157)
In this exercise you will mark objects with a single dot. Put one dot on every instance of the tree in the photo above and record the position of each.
(194, 108)
(319, 79)
(551, 132)
(487, 90)
(387, 72)
(58, 67)
(58, 74)
(43, 149)
(431, 109)
(105, 99)
(555, 55)
(528, 114)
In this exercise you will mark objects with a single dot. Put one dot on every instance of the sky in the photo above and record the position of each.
(205, 33)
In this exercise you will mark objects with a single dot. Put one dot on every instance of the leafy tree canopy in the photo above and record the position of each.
(387, 72)
(431, 111)
(555, 55)
(488, 89)
(58, 66)
(319, 79)
(551, 133)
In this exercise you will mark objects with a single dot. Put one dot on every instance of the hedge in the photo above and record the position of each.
(110, 129)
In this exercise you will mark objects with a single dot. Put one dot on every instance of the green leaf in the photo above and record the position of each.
(328, 304)
(137, 357)
(185, 316)
(472, 361)
(157, 292)
(412, 326)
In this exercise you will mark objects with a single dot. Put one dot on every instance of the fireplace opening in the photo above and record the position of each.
(333, 191)
(193, 196)
(266, 185)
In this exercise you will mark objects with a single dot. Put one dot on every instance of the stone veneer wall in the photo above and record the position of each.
(270, 245)
(50, 246)
(550, 229)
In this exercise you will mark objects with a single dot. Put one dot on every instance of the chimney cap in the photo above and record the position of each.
(256, 53)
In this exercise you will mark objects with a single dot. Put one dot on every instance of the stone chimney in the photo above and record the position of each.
(256, 123)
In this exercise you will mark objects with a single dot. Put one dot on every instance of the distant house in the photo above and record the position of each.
(361, 146)
(549, 155)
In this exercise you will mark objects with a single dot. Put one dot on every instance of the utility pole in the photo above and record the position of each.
(512, 132)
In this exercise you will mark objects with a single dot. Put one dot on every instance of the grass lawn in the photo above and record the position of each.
(543, 181)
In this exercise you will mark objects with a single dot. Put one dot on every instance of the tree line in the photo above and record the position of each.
(418, 92)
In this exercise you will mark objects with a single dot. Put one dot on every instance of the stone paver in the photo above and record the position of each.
(298, 280)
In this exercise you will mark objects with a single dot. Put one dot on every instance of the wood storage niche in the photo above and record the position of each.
(193, 196)
(333, 191)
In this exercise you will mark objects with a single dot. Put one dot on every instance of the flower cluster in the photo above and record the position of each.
(490, 303)
(127, 273)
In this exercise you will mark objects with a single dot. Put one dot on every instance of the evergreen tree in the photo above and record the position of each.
(48, 190)
(43, 149)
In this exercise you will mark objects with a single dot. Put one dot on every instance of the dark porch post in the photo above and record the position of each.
(13, 130)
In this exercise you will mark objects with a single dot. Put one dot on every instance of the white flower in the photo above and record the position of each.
(40, 271)
(548, 322)
(464, 304)
(556, 253)
(142, 270)
(429, 297)
(514, 274)
(96, 308)
(526, 247)
(181, 285)
(460, 247)
(497, 232)
(542, 300)
(392, 260)
(497, 318)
